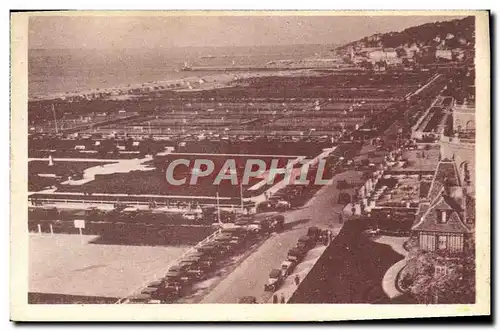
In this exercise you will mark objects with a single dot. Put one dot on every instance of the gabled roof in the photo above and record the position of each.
(454, 204)
(446, 175)
(429, 220)
(443, 205)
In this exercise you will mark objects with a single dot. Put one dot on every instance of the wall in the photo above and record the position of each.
(429, 241)
(453, 148)
(464, 119)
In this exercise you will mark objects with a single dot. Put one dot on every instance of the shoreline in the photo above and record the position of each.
(200, 82)
(124, 90)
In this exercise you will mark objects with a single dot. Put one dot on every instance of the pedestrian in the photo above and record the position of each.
(282, 298)
(297, 280)
(275, 298)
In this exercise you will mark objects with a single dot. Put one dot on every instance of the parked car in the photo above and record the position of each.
(238, 231)
(212, 249)
(278, 223)
(247, 299)
(179, 268)
(273, 223)
(283, 205)
(149, 290)
(157, 283)
(254, 227)
(306, 243)
(196, 272)
(177, 277)
(140, 298)
(326, 236)
(314, 232)
(296, 254)
(287, 267)
(171, 291)
(275, 280)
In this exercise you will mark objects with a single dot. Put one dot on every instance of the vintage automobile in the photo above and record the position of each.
(142, 298)
(197, 272)
(170, 291)
(212, 249)
(273, 223)
(275, 280)
(283, 205)
(198, 259)
(278, 223)
(287, 267)
(314, 232)
(178, 277)
(157, 283)
(150, 291)
(306, 243)
(296, 254)
(247, 299)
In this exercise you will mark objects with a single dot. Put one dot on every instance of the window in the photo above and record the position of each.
(442, 242)
(442, 216)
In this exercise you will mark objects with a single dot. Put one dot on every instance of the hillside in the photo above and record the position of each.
(457, 33)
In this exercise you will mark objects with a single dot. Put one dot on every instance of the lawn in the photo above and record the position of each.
(350, 271)
(154, 181)
(60, 168)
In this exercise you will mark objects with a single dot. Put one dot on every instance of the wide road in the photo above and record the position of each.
(251, 275)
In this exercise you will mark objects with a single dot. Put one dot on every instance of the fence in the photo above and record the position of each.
(97, 202)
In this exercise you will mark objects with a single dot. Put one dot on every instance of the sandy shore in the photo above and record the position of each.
(192, 83)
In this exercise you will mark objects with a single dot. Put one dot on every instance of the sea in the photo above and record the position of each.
(53, 71)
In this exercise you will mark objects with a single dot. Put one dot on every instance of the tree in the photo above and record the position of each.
(455, 285)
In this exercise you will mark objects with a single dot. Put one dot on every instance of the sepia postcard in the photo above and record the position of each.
(166, 162)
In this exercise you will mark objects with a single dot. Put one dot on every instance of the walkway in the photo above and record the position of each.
(424, 87)
(266, 174)
(289, 287)
(390, 277)
(122, 166)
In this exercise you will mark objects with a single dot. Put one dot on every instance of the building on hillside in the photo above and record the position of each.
(382, 55)
(442, 223)
(444, 54)
(394, 61)
(411, 51)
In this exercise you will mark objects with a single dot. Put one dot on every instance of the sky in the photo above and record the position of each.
(101, 32)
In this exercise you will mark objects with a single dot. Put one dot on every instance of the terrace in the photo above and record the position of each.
(406, 190)
(419, 160)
